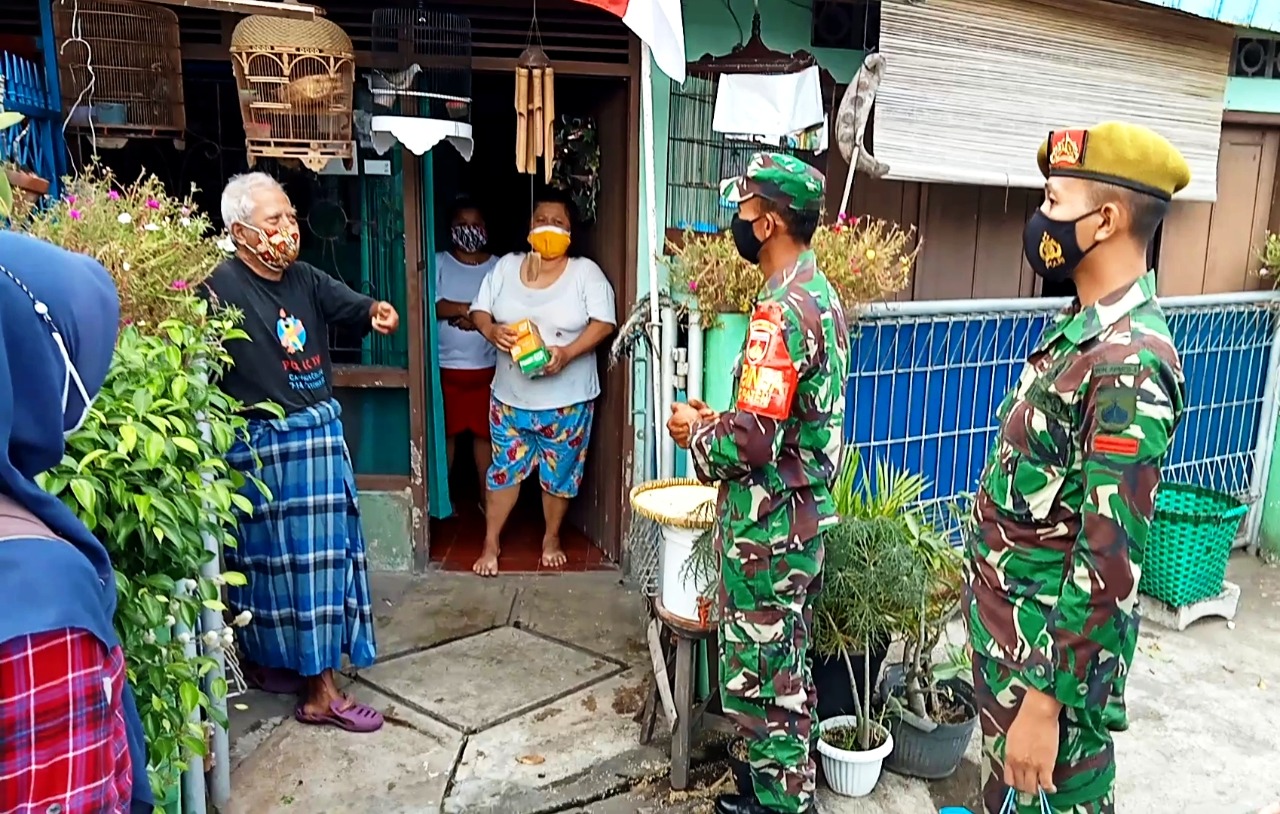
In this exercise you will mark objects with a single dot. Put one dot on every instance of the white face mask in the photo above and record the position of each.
(71, 376)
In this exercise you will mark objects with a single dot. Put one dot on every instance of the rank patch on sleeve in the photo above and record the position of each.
(1116, 445)
(1115, 408)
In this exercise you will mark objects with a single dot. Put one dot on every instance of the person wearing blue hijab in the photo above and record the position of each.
(70, 736)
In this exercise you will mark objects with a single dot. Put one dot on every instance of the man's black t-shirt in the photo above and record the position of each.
(287, 359)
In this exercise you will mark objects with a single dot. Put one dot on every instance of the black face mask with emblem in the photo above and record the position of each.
(1051, 246)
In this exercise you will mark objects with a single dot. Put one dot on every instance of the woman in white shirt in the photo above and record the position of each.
(542, 420)
(466, 357)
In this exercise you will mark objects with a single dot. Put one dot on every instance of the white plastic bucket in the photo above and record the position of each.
(681, 593)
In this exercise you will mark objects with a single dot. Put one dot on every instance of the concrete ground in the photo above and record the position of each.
(517, 696)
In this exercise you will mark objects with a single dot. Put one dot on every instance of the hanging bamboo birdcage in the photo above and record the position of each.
(295, 80)
(120, 67)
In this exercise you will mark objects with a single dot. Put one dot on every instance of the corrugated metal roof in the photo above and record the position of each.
(1262, 14)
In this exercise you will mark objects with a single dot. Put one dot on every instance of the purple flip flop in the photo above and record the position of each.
(355, 718)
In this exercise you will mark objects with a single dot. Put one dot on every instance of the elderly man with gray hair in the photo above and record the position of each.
(301, 547)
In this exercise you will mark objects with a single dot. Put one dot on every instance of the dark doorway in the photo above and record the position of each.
(592, 534)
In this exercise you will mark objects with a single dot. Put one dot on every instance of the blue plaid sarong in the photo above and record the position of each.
(302, 551)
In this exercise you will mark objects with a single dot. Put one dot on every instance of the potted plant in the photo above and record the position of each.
(930, 704)
(866, 259)
(1269, 257)
(32, 186)
(886, 495)
(872, 580)
(707, 269)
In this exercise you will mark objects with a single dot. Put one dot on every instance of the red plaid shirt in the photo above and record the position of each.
(63, 744)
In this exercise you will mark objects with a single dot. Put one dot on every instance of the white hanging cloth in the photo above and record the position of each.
(772, 105)
(419, 134)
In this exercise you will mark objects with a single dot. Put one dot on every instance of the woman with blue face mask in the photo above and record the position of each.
(70, 736)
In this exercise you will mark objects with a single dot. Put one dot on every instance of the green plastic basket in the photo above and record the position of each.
(1189, 544)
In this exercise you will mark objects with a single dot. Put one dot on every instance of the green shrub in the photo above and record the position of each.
(147, 472)
(151, 485)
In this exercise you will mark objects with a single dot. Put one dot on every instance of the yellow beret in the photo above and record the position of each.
(1127, 155)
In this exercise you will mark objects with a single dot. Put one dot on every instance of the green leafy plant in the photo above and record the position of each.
(708, 267)
(151, 485)
(897, 495)
(1269, 257)
(147, 471)
(866, 259)
(157, 248)
(703, 564)
(7, 119)
(871, 582)
(926, 699)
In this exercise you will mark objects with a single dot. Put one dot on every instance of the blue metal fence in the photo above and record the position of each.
(37, 143)
(928, 377)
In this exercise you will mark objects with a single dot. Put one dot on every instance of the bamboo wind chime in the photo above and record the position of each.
(535, 113)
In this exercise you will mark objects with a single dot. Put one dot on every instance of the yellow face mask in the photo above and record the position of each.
(550, 242)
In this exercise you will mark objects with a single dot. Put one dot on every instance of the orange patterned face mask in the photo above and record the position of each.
(550, 242)
(277, 249)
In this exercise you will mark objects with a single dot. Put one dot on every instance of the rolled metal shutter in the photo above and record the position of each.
(972, 87)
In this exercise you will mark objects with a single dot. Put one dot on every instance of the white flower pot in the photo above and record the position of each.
(852, 774)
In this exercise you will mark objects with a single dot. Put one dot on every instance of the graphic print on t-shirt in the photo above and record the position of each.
(305, 372)
(291, 332)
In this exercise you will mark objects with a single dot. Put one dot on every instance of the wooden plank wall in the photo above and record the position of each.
(973, 235)
(1209, 248)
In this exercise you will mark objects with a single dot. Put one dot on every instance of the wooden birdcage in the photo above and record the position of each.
(120, 66)
(295, 80)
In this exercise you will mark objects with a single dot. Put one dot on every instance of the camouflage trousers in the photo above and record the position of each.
(766, 681)
(1085, 774)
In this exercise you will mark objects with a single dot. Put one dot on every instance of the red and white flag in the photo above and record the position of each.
(657, 23)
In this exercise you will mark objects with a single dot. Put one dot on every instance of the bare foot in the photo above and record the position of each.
(552, 556)
(487, 565)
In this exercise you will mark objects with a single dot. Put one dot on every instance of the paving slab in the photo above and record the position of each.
(577, 748)
(476, 682)
(436, 608)
(404, 767)
(593, 610)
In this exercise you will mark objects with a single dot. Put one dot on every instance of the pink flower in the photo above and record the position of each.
(186, 211)
(75, 214)
(693, 285)
(152, 203)
(71, 200)
(178, 285)
(113, 195)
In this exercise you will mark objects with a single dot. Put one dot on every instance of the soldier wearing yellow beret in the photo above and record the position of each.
(1064, 505)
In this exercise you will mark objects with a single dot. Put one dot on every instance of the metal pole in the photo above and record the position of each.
(1266, 440)
(193, 781)
(658, 365)
(211, 622)
(667, 353)
(694, 345)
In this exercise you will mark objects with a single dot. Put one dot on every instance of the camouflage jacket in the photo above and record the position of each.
(1066, 499)
(776, 473)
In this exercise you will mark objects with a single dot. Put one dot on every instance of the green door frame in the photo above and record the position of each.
(438, 502)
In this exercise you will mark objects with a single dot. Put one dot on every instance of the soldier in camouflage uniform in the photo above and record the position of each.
(1065, 502)
(775, 455)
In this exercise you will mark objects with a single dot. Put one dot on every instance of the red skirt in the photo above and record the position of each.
(466, 400)
(63, 739)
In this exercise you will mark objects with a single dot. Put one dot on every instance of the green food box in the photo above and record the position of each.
(532, 363)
